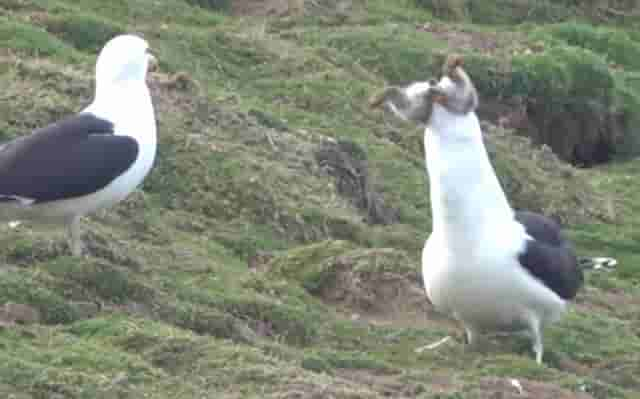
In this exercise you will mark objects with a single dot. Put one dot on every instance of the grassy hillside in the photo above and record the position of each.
(273, 252)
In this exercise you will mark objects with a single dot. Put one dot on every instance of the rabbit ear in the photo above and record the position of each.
(455, 60)
(451, 65)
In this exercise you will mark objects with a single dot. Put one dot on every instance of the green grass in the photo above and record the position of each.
(239, 271)
(33, 41)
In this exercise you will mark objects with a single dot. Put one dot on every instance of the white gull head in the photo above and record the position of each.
(125, 58)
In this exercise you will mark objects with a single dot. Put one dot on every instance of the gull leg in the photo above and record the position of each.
(536, 337)
(472, 338)
(75, 238)
(475, 341)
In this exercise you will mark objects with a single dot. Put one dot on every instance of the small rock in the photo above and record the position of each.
(259, 260)
(120, 379)
(269, 121)
(12, 313)
(86, 310)
(138, 308)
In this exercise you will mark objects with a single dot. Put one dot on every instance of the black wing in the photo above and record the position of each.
(74, 157)
(549, 256)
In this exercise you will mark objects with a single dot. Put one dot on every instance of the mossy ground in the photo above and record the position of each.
(166, 305)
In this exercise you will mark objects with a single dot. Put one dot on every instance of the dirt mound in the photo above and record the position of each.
(462, 38)
(282, 8)
(493, 387)
(361, 281)
(263, 8)
(380, 282)
(396, 386)
(347, 162)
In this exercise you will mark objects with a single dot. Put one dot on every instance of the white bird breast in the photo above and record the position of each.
(131, 111)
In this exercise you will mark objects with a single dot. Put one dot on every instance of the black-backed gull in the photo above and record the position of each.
(90, 160)
(492, 268)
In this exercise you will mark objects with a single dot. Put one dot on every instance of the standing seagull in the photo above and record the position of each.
(90, 160)
(490, 267)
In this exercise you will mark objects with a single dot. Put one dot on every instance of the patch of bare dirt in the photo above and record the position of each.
(16, 313)
(382, 296)
(259, 260)
(503, 388)
(266, 7)
(347, 162)
(623, 305)
(460, 38)
(282, 8)
(357, 284)
(394, 386)
(376, 286)
(336, 389)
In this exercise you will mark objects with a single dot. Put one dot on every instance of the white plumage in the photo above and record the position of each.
(470, 261)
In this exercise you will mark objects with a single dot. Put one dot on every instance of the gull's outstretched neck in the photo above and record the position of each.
(464, 188)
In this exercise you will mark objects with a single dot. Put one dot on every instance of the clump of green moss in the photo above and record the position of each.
(215, 5)
(33, 41)
(563, 75)
(367, 280)
(23, 288)
(200, 319)
(544, 11)
(19, 5)
(616, 45)
(396, 53)
(104, 280)
(83, 31)
(574, 100)
(310, 265)
(557, 75)
(327, 361)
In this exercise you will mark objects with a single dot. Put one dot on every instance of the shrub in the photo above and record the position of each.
(216, 5)
(616, 45)
(84, 32)
(34, 42)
